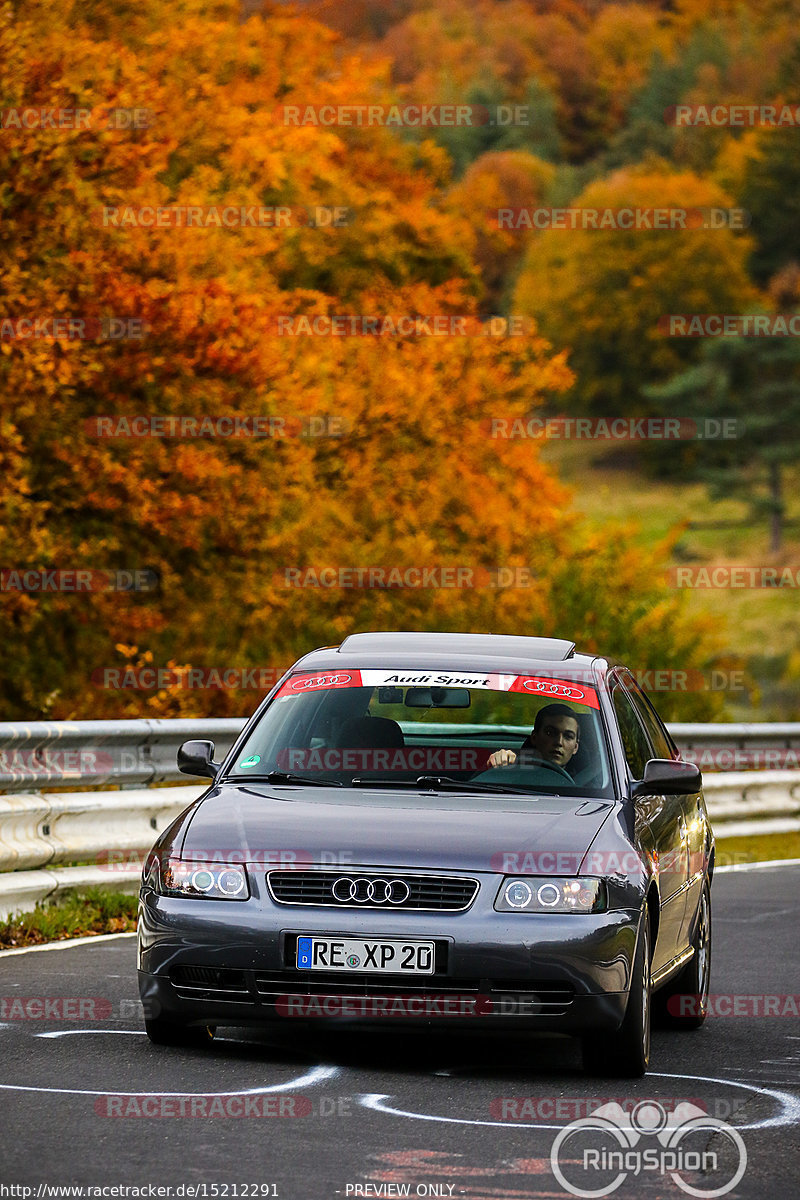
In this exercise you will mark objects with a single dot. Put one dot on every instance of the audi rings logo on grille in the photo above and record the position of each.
(361, 890)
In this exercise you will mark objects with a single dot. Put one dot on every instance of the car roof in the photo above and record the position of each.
(459, 651)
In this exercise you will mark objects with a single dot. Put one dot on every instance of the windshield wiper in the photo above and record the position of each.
(288, 777)
(442, 782)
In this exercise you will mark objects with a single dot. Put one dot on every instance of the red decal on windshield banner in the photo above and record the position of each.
(298, 684)
(556, 689)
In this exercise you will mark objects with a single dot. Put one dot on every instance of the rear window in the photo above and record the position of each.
(518, 733)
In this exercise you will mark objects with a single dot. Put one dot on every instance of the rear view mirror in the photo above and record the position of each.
(197, 758)
(666, 777)
(438, 697)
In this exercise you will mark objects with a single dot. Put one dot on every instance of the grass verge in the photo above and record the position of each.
(735, 850)
(78, 914)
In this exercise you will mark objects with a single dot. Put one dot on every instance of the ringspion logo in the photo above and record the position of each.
(595, 1155)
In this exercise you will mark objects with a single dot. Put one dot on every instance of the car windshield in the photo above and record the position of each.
(433, 730)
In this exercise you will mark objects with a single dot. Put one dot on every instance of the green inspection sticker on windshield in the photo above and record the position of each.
(252, 761)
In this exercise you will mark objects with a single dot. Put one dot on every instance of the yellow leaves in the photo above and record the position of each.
(598, 289)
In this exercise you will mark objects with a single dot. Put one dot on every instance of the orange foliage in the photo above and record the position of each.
(413, 479)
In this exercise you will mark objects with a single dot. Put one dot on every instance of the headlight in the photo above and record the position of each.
(218, 881)
(551, 895)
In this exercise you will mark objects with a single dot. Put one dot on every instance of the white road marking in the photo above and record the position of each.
(789, 1115)
(72, 1032)
(314, 1076)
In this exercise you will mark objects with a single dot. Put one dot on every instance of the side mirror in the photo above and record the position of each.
(666, 777)
(197, 758)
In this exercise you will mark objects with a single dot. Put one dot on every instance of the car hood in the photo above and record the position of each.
(293, 827)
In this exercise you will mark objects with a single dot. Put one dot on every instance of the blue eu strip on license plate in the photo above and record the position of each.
(391, 956)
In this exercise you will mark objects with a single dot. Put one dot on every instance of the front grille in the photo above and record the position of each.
(488, 997)
(497, 998)
(270, 986)
(211, 983)
(387, 890)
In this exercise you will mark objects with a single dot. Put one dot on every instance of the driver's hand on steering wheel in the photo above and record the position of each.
(502, 758)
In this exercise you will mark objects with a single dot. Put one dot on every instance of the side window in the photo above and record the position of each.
(658, 735)
(634, 742)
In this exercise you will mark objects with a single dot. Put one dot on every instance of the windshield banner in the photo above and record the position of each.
(533, 685)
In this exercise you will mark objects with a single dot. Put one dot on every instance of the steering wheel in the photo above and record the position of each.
(533, 760)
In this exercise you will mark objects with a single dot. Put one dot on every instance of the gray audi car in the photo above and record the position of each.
(437, 829)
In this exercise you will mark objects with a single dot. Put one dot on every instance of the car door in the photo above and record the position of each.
(660, 819)
(694, 810)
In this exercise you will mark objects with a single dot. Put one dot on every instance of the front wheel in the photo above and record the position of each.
(176, 1033)
(626, 1053)
(683, 1002)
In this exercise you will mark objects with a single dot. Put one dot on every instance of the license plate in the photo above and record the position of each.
(393, 957)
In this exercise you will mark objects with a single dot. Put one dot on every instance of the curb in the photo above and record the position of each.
(65, 942)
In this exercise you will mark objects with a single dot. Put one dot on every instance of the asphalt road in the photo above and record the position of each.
(327, 1115)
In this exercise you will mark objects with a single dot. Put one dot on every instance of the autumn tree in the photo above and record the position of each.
(603, 292)
(499, 180)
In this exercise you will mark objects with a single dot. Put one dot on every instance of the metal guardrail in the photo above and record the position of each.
(42, 827)
(44, 754)
(736, 747)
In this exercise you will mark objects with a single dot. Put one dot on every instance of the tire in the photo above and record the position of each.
(626, 1053)
(175, 1033)
(670, 1005)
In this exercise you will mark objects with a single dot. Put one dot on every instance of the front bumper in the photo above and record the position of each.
(226, 962)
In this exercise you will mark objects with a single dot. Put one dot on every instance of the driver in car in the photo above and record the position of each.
(555, 737)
